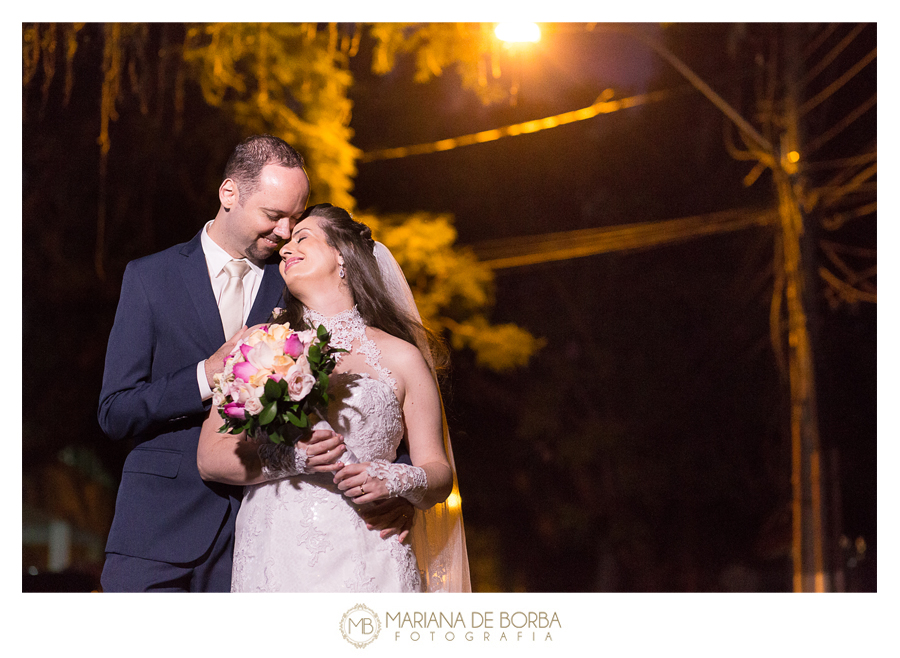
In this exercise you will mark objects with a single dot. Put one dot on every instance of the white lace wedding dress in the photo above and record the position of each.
(301, 534)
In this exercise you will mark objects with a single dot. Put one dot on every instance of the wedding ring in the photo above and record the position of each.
(361, 487)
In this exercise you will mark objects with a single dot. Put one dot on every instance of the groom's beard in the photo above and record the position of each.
(263, 248)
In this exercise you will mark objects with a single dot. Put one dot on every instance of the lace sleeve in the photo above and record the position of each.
(402, 480)
(281, 460)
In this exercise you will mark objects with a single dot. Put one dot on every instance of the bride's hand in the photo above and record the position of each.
(358, 486)
(323, 450)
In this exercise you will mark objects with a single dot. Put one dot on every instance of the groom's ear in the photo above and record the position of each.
(228, 194)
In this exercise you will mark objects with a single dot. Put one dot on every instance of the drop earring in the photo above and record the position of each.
(341, 273)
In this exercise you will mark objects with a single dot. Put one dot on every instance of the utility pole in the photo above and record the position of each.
(807, 549)
(808, 537)
(806, 465)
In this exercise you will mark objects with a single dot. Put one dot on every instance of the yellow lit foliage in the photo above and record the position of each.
(470, 48)
(293, 80)
(288, 79)
(453, 290)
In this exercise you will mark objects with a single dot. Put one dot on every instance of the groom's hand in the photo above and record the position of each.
(393, 516)
(216, 363)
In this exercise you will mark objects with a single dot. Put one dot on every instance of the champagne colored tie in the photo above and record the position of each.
(231, 304)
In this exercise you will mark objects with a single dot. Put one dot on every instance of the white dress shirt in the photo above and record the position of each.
(216, 259)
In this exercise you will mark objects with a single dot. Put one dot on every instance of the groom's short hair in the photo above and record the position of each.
(254, 153)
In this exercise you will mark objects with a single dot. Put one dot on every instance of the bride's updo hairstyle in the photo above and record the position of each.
(354, 242)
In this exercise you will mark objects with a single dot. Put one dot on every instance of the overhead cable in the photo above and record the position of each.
(840, 126)
(837, 84)
(529, 250)
(833, 53)
(603, 105)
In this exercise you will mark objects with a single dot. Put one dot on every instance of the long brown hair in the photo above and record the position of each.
(354, 242)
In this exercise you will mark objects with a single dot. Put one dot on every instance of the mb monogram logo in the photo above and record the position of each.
(360, 626)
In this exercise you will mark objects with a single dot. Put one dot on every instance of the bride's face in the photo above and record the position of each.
(307, 258)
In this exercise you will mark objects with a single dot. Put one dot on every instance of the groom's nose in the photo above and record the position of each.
(283, 228)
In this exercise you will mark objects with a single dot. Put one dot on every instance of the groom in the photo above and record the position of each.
(179, 314)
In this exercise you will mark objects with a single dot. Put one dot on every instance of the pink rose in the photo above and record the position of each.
(244, 370)
(235, 410)
(292, 346)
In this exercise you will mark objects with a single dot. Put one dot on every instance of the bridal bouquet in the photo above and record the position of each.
(274, 380)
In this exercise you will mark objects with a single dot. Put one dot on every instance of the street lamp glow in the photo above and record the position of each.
(518, 32)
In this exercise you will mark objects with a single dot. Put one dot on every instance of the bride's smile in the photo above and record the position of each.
(291, 261)
(309, 245)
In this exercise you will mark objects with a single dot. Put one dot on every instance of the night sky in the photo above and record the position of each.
(678, 334)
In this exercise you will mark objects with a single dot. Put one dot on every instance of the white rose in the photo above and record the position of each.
(253, 406)
(300, 383)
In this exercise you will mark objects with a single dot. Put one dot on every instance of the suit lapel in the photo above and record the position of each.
(195, 274)
(268, 297)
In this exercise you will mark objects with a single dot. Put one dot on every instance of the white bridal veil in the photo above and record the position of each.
(438, 538)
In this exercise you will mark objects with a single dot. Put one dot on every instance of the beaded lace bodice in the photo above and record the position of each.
(301, 533)
(363, 409)
(348, 332)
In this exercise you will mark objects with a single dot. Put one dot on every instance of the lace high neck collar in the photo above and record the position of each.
(345, 327)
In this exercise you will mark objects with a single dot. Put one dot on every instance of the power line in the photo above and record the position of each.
(833, 53)
(849, 161)
(837, 220)
(834, 193)
(845, 290)
(820, 39)
(837, 84)
(530, 250)
(603, 105)
(839, 127)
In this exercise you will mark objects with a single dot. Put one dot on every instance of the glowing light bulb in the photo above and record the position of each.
(518, 32)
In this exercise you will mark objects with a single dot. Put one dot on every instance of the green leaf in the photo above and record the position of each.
(273, 390)
(300, 421)
(268, 413)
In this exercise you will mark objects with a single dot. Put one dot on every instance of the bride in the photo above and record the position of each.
(299, 527)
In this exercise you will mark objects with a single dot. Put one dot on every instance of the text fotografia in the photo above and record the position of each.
(479, 626)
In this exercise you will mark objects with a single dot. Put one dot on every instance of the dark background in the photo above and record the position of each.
(646, 447)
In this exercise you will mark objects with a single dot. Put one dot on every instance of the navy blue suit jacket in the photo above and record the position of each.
(166, 322)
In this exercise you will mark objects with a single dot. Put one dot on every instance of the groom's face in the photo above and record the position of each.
(262, 220)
